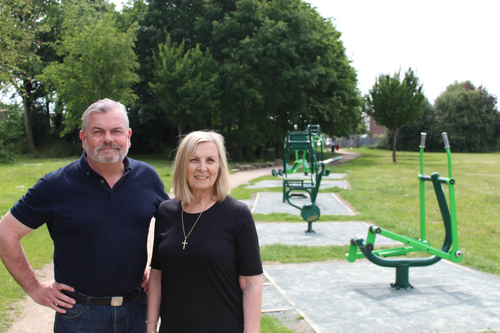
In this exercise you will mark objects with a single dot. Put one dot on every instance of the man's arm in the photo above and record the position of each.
(252, 302)
(15, 260)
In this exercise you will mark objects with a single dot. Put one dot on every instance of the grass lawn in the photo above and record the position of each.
(383, 193)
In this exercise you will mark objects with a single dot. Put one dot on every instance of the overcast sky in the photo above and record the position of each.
(441, 40)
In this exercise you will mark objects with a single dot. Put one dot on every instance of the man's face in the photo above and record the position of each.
(106, 138)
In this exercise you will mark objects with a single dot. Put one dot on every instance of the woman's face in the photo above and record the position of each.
(203, 168)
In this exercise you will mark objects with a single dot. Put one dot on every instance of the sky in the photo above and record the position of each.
(442, 41)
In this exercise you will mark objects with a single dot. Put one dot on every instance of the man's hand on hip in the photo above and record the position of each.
(49, 294)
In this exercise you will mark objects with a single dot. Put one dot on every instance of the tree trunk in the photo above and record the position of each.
(27, 115)
(47, 105)
(394, 144)
(179, 130)
(278, 150)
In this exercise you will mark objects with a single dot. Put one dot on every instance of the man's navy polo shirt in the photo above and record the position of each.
(99, 233)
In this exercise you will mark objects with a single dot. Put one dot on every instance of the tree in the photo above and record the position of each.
(409, 135)
(279, 64)
(99, 62)
(21, 21)
(470, 117)
(185, 85)
(394, 103)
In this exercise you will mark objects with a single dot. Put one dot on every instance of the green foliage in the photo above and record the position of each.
(394, 103)
(132, 12)
(11, 131)
(470, 117)
(186, 85)
(279, 63)
(99, 62)
(11, 124)
(20, 24)
(409, 136)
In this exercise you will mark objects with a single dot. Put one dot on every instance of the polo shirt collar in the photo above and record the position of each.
(85, 167)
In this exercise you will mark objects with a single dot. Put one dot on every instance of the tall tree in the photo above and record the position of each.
(393, 102)
(21, 22)
(409, 135)
(469, 115)
(280, 63)
(99, 62)
(185, 85)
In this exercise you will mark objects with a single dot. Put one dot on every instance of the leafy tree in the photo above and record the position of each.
(131, 13)
(393, 102)
(409, 135)
(470, 117)
(21, 22)
(99, 62)
(176, 18)
(185, 85)
(279, 64)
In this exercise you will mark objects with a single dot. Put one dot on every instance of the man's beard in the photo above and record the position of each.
(118, 155)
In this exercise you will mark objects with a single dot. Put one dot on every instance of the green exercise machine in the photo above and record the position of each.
(305, 143)
(449, 250)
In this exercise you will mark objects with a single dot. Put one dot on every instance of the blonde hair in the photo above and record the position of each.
(187, 146)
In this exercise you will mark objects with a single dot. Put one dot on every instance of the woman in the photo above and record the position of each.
(206, 267)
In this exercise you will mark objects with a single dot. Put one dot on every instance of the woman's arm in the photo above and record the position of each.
(251, 286)
(154, 301)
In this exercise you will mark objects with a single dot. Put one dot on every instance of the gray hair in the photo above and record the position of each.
(104, 105)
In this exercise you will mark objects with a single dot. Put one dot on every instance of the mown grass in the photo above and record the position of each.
(269, 324)
(383, 193)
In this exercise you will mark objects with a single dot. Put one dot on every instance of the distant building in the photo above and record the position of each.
(376, 129)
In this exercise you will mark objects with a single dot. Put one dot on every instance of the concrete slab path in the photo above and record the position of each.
(342, 297)
(326, 233)
(272, 202)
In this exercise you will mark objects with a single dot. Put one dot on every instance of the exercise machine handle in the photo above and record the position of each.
(445, 140)
(422, 139)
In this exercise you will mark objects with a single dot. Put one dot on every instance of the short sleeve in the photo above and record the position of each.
(247, 245)
(155, 260)
(36, 207)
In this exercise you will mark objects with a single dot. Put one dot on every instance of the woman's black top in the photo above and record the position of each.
(200, 284)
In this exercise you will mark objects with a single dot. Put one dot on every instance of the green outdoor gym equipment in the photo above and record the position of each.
(449, 250)
(306, 143)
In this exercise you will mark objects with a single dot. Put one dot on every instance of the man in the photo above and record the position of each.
(98, 211)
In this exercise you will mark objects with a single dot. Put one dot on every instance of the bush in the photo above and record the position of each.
(7, 157)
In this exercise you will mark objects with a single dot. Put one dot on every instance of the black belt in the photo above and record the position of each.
(113, 301)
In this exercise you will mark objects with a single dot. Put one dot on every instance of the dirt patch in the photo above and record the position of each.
(32, 316)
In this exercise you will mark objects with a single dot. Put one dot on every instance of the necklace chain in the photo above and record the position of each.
(184, 243)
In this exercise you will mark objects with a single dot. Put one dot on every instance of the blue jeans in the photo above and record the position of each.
(128, 318)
